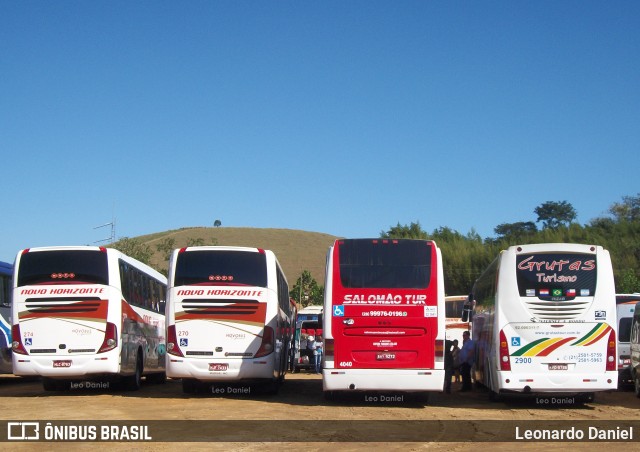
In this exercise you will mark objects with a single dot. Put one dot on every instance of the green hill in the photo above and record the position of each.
(296, 250)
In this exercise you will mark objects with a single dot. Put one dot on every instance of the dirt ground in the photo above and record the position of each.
(303, 417)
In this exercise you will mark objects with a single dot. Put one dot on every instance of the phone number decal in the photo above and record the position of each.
(384, 314)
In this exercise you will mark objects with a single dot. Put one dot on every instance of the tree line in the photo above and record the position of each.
(465, 256)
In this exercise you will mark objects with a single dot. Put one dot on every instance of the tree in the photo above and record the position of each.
(166, 246)
(217, 223)
(195, 242)
(627, 210)
(306, 291)
(412, 231)
(134, 248)
(554, 214)
(630, 282)
(515, 230)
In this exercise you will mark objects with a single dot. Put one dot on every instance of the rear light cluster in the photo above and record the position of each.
(328, 349)
(172, 342)
(267, 345)
(439, 351)
(110, 338)
(611, 351)
(505, 363)
(17, 345)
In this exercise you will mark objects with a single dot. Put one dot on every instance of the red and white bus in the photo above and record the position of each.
(229, 317)
(384, 316)
(87, 312)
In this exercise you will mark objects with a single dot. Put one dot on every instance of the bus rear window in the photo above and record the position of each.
(388, 264)
(221, 267)
(63, 266)
(557, 276)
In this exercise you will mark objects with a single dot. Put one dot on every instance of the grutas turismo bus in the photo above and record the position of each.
(229, 318)
(87, 313)
(6, 273)
(384, 316)
(545, 322)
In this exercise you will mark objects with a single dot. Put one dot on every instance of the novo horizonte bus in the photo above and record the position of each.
(384, 327)
(229, 318)
(87, 313)
(545, 322)
(6, 273)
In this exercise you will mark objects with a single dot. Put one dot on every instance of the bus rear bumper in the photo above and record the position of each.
(409, 380)
(560, 384)
(199, 369)
(78, 366)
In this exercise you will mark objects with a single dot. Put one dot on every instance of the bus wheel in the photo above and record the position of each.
(189, 386)
(636, 385)
(329, 395)
(134, 382)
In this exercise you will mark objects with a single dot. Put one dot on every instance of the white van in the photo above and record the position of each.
(625, 307)
(635, 350)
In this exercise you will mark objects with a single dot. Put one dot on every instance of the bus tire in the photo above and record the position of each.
(329, 395)
(636, 385)
(134, 382)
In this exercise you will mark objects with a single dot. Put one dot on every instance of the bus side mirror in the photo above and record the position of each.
(467, 312)
(467, 309)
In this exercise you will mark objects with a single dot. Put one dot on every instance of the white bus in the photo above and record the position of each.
(6, 274)
(87, 312)
(545, 322)
(454, 326)
(229, 318)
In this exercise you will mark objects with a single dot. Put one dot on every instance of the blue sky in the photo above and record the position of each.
(337, 117)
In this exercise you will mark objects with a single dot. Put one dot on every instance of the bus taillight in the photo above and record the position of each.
(505, 363)
(328, 348)
(110, 338)
(439, 350)
(16, 345)
(266, 346)
(611, 351)
(172, 342)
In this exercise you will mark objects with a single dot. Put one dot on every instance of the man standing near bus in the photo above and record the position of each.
(467, 359)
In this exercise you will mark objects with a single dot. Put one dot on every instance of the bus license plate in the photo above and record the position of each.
(62, 363)
(218, 367)
(558, 366)
(385, 356)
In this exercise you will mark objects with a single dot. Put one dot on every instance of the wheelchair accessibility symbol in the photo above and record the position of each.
(515, 341)
(338, 311)
(184, 342)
